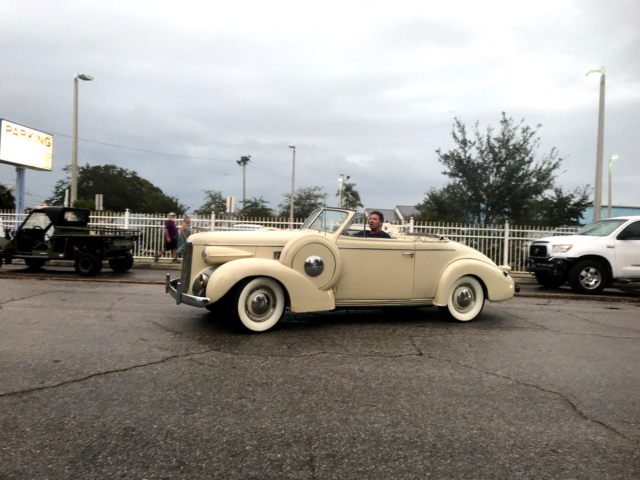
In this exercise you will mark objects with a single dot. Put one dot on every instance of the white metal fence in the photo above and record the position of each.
(504, 244)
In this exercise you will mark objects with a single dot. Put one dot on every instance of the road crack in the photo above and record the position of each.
(563, 397)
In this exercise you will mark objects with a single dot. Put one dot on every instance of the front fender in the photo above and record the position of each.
(303, 295)
(498, 286)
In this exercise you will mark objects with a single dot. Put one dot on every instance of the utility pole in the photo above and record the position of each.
(243, 163)
(342, 179)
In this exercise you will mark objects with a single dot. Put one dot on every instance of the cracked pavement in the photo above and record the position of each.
(104, 380)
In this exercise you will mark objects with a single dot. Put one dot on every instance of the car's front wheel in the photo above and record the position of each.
(588, 276)
(549, 281)
(258, 304)
(465, 301)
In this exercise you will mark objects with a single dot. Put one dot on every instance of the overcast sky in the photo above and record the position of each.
(369, 89)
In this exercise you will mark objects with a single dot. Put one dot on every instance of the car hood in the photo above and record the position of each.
(264, 236)
(564, 239)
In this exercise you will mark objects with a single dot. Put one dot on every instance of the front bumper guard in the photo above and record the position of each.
(172, 287)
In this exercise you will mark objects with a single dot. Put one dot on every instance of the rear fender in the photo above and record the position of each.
(498, 287)
(303, 295)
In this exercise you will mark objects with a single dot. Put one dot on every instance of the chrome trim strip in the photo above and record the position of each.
(240, 245)
(400, 249)
(383, 303)
(172, 286)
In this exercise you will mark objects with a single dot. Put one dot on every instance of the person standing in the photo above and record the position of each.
(170, 238)
(185, 232)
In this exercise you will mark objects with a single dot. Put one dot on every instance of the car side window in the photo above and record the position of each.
(632, 232)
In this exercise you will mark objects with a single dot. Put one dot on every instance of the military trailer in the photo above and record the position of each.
(61, 233)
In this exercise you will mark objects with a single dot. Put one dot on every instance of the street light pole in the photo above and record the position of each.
(597, 201)
(74, 142)
(611, 159)
(293, 176)
(243, 163)
(342, 178)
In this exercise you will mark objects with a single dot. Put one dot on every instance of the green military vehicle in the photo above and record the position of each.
(61, 233)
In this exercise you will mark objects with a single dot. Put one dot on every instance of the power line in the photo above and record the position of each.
(145, 151)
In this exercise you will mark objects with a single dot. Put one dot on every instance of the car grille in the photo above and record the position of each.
(185, 278)
(538, 250)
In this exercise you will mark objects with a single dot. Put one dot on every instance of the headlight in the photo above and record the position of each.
(561, 248)
(199, 286)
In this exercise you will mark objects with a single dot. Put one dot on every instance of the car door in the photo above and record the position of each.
(432, 256)
(375, 269)
(627, 252)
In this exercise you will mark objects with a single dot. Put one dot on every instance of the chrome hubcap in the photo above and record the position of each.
(590, 278)
(463, 298)
(260, 304)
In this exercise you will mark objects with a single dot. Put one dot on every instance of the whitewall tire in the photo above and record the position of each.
(465, 300)
(259, 304)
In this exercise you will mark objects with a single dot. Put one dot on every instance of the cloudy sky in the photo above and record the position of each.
(368, 89)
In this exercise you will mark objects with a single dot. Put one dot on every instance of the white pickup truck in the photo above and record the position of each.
(593, 258)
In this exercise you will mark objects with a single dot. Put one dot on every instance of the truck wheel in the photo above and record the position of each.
(466, 300)
(588, 276)
(35, 263)
(121, 264)
(550, 281)
(88, 264)
(258, 304)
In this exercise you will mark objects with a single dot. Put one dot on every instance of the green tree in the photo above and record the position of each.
(122, 189)
(213, 202)
(350, 196)
(7, 200)
(256, 207)
(305, 201)
(496, 177)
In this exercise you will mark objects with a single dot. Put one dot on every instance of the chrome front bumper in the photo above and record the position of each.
(172, 287)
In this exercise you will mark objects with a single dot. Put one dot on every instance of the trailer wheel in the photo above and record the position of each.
(121, 264)
(88, 264)
(35, 263)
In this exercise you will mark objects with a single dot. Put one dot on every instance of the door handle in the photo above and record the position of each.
(410, 254)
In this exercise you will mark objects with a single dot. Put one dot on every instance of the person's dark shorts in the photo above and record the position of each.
(173, 244)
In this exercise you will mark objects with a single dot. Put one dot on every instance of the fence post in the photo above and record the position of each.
(126, 218)
(506, 243)
(411, 224)
(213, 221)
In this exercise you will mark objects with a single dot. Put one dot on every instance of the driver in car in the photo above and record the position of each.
(376, 219)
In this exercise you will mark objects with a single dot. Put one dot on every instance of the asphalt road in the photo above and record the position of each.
(113, 380)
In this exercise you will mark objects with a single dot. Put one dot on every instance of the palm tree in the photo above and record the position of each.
(350, 196)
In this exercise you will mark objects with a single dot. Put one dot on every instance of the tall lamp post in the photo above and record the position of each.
(74, 142)
(243, 163)
(611, 159)
(293, 176)
(342, 179)
(597, 201)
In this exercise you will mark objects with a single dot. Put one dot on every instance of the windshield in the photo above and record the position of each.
(327, 221)
(601, 229)
(37, 220)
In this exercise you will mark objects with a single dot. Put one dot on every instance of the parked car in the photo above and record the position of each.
(60, 233)
(593, 258)
(254, 276)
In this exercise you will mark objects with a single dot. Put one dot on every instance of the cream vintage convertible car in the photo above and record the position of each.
(255, 275)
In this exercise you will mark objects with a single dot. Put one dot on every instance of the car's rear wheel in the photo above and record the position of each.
(588, 276)
(258, 304)
(121, 264)
(88, 264)
(35, 263)
(465, 301)
(549, 281)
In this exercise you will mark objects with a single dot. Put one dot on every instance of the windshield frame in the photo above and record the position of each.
(602, 228)
(317, 213)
